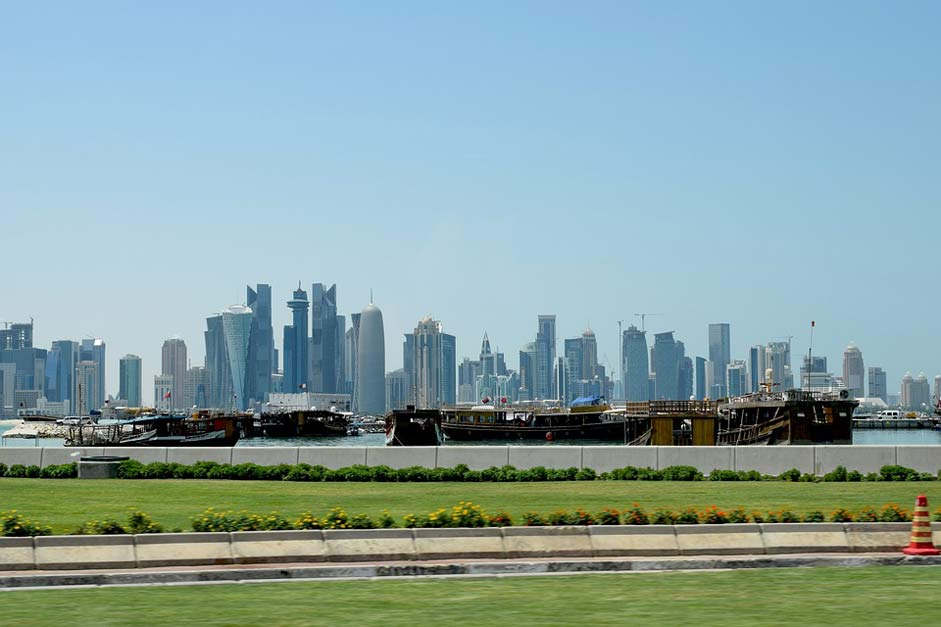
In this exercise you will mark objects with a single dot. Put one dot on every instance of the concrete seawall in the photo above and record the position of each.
(771, 460)
(385, 545)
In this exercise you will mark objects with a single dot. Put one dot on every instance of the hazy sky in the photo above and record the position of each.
(758, 163)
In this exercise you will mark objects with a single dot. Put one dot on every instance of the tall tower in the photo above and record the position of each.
(371, 363)
(719, 354)
(295, 343)
(877, 384)
(323, 341)
(261, 362)
(666, 366)
(636, 367)
(94, 350)
(217, 364)
(173, 363)
(130, 374)
(236, 325)
(853, 371)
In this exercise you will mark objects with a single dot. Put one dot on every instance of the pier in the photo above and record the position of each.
(896, 423)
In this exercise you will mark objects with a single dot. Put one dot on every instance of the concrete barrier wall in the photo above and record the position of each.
(771, 460)
(371, 545)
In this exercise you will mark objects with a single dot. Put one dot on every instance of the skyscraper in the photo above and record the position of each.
(877, 384)
(700, 378)
(94, 350)
(173, 362)
(236, 324)
(429, 382)
(545, 357)
(17, 336)
(196, 388)
(528, 359)
(396, 390)
(854, 374)
(351, 355)
(636, 367)
(324, 351)
(261, 353)
(666, 366)
(130, 375)
(295, 343)
(60, 369)
(371, 363)
(736, 378)
(778, 360)
(915, 393)
(86, 381)
(217, 364)
(163, 393)
(719, 355)
(756, 359)
(448, 369)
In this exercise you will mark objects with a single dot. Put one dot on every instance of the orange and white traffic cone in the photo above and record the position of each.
(920, 543)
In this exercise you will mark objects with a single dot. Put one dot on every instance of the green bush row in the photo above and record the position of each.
(463, 515)
(133, 469)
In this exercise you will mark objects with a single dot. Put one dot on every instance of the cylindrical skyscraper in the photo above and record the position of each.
(371, 363)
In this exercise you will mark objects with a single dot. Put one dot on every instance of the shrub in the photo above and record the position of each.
(308, 521)
(3, 470)
(787, 516)
(688, 516)
(628, 473)
(681, 473)
(660, 517)
(201, 469)
(139, 522)
(466, 514)
(649, 474)
(837, 474)
(738, 515)
(15, 525)
(130, 469)
(499, 519)
(362, 521)
(872, 476)
(586, 474)
(724, 475)
(867, 514)
(386, 521)
(712, 515)
(759, 517)
(561, 474)
(813, 517)
(841, 515)
(33, 471)
(104, 527)
(608, 516)
(533, 519)
(893, 513)
(212, 520)
(60, 471)
(336, 518)
(809, 477)
(16, 470)
(790, 475)
(581, 517)
(894, 472)
(410, 521)
(411, 473)
(561, 518)
(854, 476)
(384, 473)
(636, 516)
(937, 515)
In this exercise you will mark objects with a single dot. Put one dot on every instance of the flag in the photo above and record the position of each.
(167, 395)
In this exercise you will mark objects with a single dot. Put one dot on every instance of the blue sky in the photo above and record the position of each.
(763, 164)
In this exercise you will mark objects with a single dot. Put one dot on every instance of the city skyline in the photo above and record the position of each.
(452, 184)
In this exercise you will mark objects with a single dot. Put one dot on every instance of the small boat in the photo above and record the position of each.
(414, 427)
(304, 422)
(201, 429)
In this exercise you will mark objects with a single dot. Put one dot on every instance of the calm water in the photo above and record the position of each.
(863, 436)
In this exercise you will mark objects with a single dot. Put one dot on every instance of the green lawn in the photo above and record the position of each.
(65, 504)
(785, 597)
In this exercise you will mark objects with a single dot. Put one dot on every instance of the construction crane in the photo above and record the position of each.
(643, 318)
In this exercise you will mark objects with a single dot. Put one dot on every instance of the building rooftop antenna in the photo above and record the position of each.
(643, 318)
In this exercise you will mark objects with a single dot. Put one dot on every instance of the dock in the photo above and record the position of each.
(896, 423)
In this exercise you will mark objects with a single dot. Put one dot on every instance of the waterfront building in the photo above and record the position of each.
(854, 374)
(666, 366)
(324, 341)
(196, 388)
(700, 378)
(217, 364)
(937, 390)
(433, 365)
(296, 343)
(778, 360)
(371, 363)
(919, 396)
(736, 374)
(86, 382)
(60, 368)
(163, 393)
(709, 382)
(262, 359)
(811, 368)
(7, 390)
(130, 380)
(449, 369)
(544, 381)
(236, 325)
(756, 372)
(94, 350)
(350, 352)
(636, 367)
(396, 390)
(16, 336)
(719, 354)
(527, 375)
(877, 383)
(174, 362)
(467, 372)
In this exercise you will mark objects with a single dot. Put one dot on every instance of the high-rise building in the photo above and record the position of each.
(94, 350)
(351, 354)
(296, 343)
(324, 349)
(877, 384)
(467, 373)
(756, 360)
(700, 378)
(16, 336)
(60, 369)
(937, 390)
(396, 390)
(666, 366)
(217, 364)
(920, 394)
(434, 359)
(196, 388)
(163, 393)
(527, 376)
(262, 362)
(636, 368)
(341, 355)
(720, 349)
(174, 362)
(408, 361)
(448, 369)
(736, 377)
(778, 360)
(811, 368)
(545, 357)
(86, 382)
(237, 324)
(854, 374)
(371, 363)
(130, 376)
